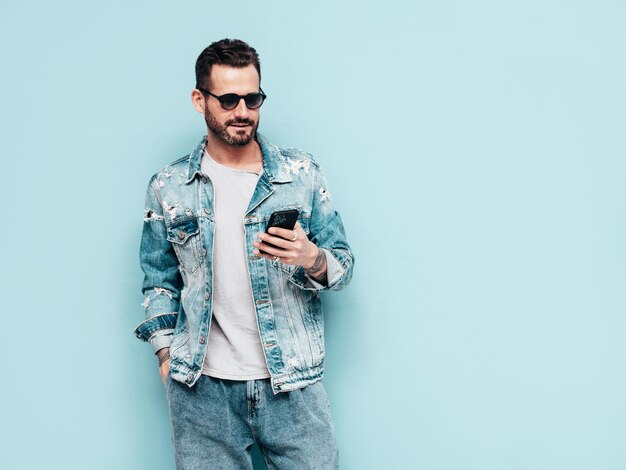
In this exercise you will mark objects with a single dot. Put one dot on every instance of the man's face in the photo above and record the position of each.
(236, 127)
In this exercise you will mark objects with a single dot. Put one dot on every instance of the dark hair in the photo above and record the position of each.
(231, 52)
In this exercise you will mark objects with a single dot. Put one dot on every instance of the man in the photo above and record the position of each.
(232, 312)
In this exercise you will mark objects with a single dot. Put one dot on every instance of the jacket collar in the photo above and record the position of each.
(273, 161)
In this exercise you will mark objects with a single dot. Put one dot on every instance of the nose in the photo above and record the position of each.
(241, 111)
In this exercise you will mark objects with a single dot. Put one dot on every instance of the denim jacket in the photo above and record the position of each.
(176, 253)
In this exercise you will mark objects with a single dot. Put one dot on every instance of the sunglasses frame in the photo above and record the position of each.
(220, 98)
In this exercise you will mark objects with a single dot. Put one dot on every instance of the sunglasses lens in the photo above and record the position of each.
(229, 101)
(254, 100)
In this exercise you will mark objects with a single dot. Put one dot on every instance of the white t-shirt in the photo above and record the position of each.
(234, 348)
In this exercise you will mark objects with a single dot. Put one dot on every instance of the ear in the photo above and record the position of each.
(198, 101)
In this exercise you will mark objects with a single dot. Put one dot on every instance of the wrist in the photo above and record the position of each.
(319, 265)
(310, 262)
(163, 355)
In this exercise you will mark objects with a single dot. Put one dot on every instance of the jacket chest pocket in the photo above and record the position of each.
(184, 235)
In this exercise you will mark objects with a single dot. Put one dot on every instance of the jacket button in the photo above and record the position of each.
(206, 211)
(181, 234)
(202, 339)
(190, 378)
(207, 296)
(203, 179)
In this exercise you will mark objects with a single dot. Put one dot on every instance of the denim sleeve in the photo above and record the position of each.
(162, 280)
(327, 232)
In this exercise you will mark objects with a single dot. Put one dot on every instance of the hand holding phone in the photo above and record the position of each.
(282, 219)
(293, 247)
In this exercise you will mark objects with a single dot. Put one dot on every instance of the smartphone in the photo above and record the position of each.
(283, 219)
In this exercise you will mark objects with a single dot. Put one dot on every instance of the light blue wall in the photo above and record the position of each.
(476, 150)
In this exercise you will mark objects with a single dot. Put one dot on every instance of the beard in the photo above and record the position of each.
(240, 138)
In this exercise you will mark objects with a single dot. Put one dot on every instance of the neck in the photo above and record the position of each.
(246, 156)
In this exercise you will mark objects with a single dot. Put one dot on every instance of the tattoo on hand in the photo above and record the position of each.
(318, 264)
(163, 355)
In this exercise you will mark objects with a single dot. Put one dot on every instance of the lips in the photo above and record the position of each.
(240, 124)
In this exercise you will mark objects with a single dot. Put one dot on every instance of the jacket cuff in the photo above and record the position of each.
(163, 321)
(334, 272)
(161, 339)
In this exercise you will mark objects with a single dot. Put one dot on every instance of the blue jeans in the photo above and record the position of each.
(216, 422)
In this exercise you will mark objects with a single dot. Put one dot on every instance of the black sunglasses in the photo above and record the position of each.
(231, 100)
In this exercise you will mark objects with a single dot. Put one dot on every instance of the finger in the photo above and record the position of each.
(302, 235)
(281, 259)
(297, 232)
(282, 232)
(285, 260)
(261, 254)
(276, 241)
(263, 248)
